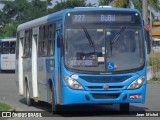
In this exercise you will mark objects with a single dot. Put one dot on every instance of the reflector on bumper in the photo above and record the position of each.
(135, 96)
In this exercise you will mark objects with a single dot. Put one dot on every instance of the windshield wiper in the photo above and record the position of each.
(114, 40)
(89, 38)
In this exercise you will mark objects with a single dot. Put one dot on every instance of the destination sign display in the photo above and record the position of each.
(102, 17)
(81, 18)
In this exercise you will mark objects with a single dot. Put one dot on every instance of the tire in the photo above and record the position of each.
(53, 103)
(27, 96)
(124, 107)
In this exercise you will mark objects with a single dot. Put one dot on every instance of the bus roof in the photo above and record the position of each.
(61, 14)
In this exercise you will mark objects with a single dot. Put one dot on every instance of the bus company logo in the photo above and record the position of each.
(6, 114)
(105, 87)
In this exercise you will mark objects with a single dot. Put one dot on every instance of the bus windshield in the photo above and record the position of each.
(104, 49)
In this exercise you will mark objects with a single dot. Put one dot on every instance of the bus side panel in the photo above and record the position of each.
(20, 66)
(27, 67)
(12, 62)
(8, 53)
(4, 61)
(58, 69)
(42, 78)
(7, 61)
(34, 66)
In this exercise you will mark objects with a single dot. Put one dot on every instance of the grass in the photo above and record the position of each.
(154, 60)
(4, 107)
(154, 80)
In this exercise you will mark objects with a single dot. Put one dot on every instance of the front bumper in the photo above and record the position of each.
(70, 96)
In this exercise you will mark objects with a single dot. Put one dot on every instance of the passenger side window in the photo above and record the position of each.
(43, 41)
(17, 46)
(51, 39)
(5, 48)
(27, 43)
(12, 47)
(40, 42)
(46, 40)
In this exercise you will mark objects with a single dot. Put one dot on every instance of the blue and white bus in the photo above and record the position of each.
(83, 56)
(7, 54)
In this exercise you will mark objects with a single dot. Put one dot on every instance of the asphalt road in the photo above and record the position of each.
(9, 94)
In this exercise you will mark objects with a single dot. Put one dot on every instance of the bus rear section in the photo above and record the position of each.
(7, 54)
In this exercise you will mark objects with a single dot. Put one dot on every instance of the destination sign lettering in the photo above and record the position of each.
(102, 18)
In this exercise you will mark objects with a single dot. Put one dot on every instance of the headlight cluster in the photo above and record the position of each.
(72, 83)
(137, 83)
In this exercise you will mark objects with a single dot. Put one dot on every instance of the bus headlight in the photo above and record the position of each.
(72, 83)
(137, 83)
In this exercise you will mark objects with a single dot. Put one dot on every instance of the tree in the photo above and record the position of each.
(19, 11)
(139, 4)
(22, 10)
(117, 3)
(15, 10)
(69, 4)
(37, 9)
(145, 11)
(142, 5)
(9, 30)
(2, 19)
(154, 4)
(105, 2)
(121, 3)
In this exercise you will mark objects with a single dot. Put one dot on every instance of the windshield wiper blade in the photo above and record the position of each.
(113, 41)
(118, 34)
(89, 38)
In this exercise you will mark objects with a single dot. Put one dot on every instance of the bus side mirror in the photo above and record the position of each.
(59, 41)
(148, 41)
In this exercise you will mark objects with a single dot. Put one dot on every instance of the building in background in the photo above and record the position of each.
(156, 29)
(154, 21)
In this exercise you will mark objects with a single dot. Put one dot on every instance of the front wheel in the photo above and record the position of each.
(55, 107)
(124, 107)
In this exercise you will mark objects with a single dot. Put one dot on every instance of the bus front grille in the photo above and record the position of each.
(102, 88)
(105, 96)
(105, 79)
